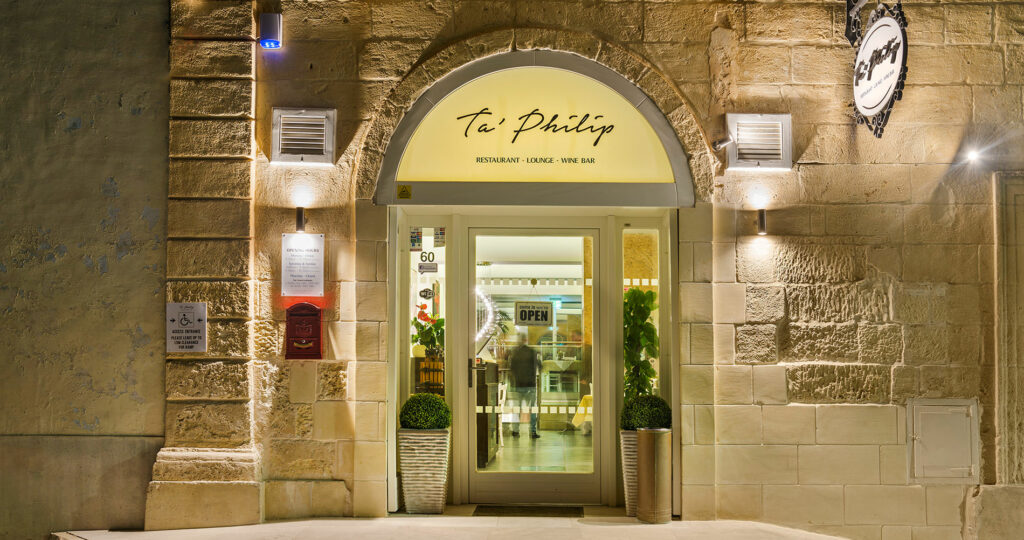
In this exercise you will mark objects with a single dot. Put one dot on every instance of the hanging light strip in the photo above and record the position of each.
(488, 326)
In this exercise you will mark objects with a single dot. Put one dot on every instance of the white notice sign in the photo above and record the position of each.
(302, 264)
(186, 327)
(535, 314)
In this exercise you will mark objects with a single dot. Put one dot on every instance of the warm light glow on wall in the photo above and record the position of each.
(761, 247)
(302, 196)
(758, 196)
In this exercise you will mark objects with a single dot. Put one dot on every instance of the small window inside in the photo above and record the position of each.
(641, 301)
(426, 267)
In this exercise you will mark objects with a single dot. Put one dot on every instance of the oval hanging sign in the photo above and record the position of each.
(880, 68)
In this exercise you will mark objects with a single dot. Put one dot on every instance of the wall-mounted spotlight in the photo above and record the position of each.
(718, 145)
(973, 155)
(762, 222)
(300, 219)
(270, 30)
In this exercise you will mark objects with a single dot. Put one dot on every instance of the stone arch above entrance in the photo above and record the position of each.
(637, 81)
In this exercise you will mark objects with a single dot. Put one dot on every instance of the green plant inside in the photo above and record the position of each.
(646, 412)
(639, 342)
(425, 411)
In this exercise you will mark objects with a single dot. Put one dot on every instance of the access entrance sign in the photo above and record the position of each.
(186, 327)
(535, 314)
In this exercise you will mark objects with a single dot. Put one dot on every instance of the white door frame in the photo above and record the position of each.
(513, 487)
(458, 221)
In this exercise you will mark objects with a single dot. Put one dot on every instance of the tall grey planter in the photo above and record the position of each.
(654, 475)
(627, 446)
(423, 457)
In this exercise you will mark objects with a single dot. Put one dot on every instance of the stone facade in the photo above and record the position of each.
(209, 469)
(800, 349)
(884, 275)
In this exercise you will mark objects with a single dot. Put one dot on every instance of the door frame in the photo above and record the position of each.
(609, 224)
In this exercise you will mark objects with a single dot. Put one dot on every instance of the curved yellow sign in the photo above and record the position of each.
(534, 124)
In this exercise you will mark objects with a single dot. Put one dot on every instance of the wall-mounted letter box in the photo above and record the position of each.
(303, 332)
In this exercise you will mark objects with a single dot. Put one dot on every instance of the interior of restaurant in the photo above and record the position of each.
(527, 420)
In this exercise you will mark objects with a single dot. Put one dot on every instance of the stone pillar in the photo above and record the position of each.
(207, 474)
(368, 374)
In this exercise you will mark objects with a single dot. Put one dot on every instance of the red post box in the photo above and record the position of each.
(303, 332)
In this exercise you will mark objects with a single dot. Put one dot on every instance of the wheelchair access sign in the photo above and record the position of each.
(535, 314)
(186, 327)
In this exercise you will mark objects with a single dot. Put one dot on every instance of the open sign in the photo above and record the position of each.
(535, 314)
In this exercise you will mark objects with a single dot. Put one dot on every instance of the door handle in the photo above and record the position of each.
(472, 368)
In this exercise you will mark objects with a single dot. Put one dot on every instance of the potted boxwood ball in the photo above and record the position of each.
(423, 442)
(640, 412)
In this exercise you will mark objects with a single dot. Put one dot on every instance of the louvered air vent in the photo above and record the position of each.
(303, 135)
(760, 141)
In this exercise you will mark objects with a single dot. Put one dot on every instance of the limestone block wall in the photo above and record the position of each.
(325, 425)
(83, 169)
(208, 472)
(874, 285)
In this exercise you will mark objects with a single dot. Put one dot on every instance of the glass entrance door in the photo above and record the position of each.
(533, 395)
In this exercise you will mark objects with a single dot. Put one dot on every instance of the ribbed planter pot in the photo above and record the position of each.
(627, 445)
(423, 457)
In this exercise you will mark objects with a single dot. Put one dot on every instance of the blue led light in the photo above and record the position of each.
(270, 44)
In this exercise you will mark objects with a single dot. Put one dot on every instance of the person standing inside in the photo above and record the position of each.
(524, 364)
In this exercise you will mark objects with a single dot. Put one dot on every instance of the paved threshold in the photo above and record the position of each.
(458, 523)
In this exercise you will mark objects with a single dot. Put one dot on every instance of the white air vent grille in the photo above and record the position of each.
(304, 135)
(759, 141)
(763, 141)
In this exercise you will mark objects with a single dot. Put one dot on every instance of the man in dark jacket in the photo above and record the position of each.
(524, 364)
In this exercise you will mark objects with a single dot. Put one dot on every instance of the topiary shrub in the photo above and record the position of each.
(425, 411)
(646, 412)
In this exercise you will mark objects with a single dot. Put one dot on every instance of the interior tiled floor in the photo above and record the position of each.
(554, 451)
(457, 523)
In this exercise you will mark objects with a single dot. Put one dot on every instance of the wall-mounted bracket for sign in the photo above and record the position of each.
(303, 338)
(880, 69)
(853, 27)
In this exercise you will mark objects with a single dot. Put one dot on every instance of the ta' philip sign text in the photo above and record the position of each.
(533, 124)
(880, 68)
